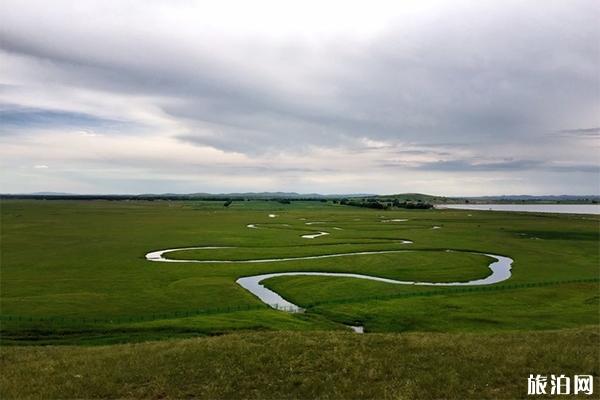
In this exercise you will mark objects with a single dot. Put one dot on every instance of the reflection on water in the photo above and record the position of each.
(500, 272)
(315, 235)
(544, 208)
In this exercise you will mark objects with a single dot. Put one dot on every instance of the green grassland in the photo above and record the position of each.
(74, 273)
(291, 365)
(69, 260)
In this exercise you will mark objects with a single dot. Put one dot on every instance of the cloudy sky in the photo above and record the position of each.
(453, 98)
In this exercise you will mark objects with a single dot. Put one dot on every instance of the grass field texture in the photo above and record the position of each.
(282, 365)
(80, 267)
(75, 279)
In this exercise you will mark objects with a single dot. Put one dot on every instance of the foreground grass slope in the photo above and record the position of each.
(303, 365)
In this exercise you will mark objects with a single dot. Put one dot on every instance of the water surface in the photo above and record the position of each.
(315, 235)
(543, 208)
(500, 269)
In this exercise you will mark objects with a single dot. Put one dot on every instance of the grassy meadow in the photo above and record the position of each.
(74, 276)
(292, 365)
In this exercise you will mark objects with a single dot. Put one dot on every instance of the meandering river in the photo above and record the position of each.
(500, 269)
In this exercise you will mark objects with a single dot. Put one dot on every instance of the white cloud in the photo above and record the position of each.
(307, 96)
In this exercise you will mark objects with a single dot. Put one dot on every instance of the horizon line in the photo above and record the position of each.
(357, 194)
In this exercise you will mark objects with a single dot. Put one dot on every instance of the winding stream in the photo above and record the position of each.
(500, 270)
(158, 255)
(314, 235)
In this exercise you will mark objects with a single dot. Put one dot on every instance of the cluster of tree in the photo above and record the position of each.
(369, 203)
(381, 205)
(419, 205)
(289, 201)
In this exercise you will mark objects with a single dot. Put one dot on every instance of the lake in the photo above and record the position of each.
(544, 208)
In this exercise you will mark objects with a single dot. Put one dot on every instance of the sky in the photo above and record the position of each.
(440, 97)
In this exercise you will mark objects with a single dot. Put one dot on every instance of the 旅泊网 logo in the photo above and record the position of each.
(560, 384)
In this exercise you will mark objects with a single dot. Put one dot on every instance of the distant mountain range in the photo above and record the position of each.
(294, 195)
(199, 195)
(255, 195)
(49, 194)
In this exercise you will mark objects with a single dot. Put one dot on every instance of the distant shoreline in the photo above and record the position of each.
(292, 196)
(593, 209)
